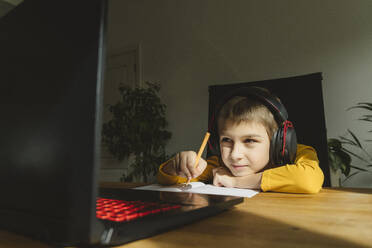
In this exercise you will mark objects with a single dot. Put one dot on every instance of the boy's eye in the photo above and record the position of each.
(250, 141)
(225, 140)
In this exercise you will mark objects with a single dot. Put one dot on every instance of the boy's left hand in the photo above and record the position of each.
(222, 177)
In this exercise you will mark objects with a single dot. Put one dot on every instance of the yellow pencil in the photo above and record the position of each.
(201, 149)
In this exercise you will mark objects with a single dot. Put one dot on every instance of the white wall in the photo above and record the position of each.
(190, 44)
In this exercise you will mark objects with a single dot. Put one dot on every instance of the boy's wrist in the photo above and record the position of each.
(252, 181)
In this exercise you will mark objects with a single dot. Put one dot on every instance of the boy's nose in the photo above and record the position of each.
(236, 152)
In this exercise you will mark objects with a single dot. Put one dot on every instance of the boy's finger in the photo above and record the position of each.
(184, 168)
(194, 170)
(214, 171)
(181, 174)
(191, 166)
(216, 181)
(203, 163)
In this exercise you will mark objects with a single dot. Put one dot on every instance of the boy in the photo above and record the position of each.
(246, 128)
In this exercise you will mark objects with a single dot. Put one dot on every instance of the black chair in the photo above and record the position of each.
(303, 98)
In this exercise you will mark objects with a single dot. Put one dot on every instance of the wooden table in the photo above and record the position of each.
(333, 218)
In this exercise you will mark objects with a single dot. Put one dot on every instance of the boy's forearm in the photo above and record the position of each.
(252, 181)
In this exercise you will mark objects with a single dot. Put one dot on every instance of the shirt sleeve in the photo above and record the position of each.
(304, 176)
(207, 175)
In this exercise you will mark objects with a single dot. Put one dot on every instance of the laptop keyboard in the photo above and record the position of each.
(121, 210)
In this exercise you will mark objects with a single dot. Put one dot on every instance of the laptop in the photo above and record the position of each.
(51, 67)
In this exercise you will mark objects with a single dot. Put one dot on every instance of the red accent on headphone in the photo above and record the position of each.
(286, 125)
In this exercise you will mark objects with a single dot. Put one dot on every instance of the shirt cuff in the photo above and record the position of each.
(265, 181)
(166, 179)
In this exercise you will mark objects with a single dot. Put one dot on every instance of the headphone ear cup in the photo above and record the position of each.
(290, 148)
(275, 147)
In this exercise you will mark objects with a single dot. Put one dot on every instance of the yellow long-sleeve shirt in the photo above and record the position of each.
(304, 176)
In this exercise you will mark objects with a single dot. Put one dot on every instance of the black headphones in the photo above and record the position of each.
(283, 145)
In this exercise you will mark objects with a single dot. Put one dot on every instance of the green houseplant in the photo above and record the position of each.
(138, 128)
(343, 150)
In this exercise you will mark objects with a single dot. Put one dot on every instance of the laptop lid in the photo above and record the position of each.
(50, 102)
(50, 90)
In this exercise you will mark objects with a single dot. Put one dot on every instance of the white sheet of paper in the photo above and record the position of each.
(201, 188)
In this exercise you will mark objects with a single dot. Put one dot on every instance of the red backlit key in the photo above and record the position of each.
(119, 210)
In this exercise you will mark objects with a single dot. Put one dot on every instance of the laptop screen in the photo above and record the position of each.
(51, 79)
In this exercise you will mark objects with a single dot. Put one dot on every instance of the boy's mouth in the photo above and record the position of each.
(236, 166)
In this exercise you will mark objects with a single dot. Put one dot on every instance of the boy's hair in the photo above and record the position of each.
(243, 109)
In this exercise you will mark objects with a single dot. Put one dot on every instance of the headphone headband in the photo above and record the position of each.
(267, 99)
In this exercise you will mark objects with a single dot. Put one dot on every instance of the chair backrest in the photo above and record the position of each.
(303, 98)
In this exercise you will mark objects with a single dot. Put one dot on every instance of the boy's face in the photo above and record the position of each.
(245, 147)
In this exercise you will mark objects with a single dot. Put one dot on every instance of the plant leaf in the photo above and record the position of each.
(334, 144)
(355, 138)
(362, 105)
(348, 141)
(347, 171)
(355, 155)
(358, 168)
(351, 175)
(339, 159)
(369, 119)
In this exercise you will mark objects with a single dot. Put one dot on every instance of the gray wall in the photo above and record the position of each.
(188, 45)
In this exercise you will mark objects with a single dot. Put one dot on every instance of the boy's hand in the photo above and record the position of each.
(222, 177)
(183, 165)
